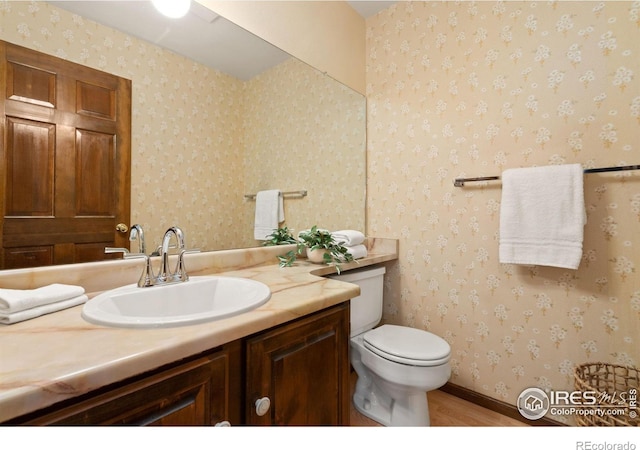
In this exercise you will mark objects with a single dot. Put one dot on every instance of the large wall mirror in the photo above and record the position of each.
(204, 140)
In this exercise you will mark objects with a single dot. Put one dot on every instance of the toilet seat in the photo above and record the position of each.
(406, 345)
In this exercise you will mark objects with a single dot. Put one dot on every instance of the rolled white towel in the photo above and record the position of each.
(358, 251)
(348, 238)
(38, 311)
(14, 300)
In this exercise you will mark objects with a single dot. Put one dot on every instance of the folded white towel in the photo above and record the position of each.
(348, 237)
(269, 213)
(542, 216)
(14, 300)
(32, 313)
(358, 251)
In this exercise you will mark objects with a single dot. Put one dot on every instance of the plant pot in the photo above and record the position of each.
(317, 255)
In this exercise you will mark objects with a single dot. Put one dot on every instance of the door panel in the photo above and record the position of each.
(96, 101)
(95, 193)
(29, 168)
(66, 157)
(29, 256)
(28, 84)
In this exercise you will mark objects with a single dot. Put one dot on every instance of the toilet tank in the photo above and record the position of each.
(366, 309)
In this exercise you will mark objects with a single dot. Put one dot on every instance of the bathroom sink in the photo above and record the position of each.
(200, 299)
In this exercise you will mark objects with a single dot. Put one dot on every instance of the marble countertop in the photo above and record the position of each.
(59, 356)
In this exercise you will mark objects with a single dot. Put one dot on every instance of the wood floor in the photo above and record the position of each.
(447, 410)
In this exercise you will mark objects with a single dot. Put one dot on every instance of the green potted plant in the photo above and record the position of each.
(281, 236)
(320, 245)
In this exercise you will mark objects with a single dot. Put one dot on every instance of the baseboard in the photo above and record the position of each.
(495, 405)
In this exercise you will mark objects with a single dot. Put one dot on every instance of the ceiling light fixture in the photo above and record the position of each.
(172, 8)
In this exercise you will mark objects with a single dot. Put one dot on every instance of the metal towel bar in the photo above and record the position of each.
(300, 193)
(459, 182)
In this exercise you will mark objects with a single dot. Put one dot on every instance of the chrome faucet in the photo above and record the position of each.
(179, 274)
(137, 234)
(165, 275)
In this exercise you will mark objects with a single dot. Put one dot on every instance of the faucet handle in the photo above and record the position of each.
(181, 271)
(122, 250)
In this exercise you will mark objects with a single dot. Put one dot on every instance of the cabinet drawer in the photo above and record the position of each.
(192, 393)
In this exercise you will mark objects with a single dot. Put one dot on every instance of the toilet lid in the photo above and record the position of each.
(407, 345)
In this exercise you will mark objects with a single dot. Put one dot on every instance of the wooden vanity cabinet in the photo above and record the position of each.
(302, 368)
(202, 391)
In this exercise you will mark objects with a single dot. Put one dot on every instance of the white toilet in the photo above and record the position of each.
(396, 365)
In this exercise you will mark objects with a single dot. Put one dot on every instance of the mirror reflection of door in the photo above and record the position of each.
(65, 160)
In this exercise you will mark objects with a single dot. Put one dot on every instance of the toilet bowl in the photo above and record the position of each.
(391, 388)
(396, 365)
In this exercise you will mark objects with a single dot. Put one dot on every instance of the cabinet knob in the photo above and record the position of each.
(122, 228)
(262, 406)
(224, 423)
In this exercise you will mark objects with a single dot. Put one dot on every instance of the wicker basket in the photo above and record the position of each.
(610, 381)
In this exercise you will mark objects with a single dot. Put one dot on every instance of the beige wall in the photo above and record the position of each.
(329, 35)
(473, 88)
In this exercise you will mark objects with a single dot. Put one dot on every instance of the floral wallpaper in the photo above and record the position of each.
(189, 163)
(465, 89)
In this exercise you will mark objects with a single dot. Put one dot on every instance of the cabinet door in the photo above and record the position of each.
(303, 368)
(192, 393)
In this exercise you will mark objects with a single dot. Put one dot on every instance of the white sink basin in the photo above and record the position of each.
(201, 299)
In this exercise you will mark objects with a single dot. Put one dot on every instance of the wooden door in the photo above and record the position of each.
(303, 368)
(65, 160)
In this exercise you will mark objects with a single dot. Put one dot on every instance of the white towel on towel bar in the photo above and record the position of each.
(542, 216)
(269, 213)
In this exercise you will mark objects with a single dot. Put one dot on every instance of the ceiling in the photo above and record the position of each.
(201, 35)
(368, 8)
